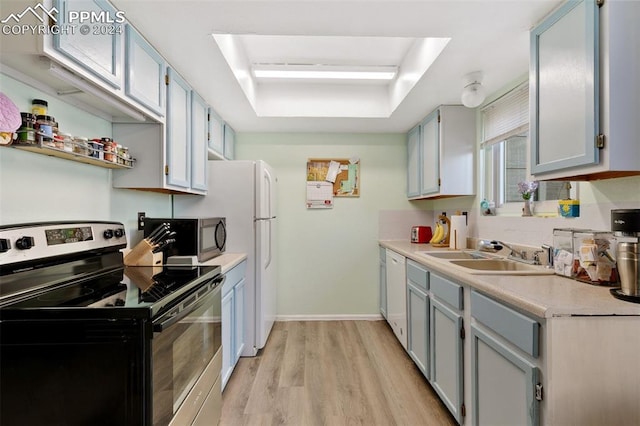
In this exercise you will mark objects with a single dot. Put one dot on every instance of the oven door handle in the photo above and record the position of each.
(173, 316)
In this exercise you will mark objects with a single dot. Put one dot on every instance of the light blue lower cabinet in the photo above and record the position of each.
(503, 383)
(447, 354)
(418, 327)
(238, 335)
(227, 337)
(233, 319)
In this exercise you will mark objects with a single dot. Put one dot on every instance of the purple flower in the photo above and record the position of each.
(527, 188)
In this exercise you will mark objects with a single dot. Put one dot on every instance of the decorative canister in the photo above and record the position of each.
(26, 132)
(39, 107)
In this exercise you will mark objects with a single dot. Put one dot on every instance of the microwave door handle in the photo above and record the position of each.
(167, 320)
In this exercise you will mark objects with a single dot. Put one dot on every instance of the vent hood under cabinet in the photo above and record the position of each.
(48, 65)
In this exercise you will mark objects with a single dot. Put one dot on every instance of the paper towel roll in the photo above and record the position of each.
(458, 232)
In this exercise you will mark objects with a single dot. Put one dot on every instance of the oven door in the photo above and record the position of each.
(184, 343)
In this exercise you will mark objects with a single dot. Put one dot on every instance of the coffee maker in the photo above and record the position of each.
(625, 224)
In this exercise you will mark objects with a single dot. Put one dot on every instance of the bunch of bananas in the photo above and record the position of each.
(439, 234)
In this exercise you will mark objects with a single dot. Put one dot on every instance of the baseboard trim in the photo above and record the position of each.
(346, 317)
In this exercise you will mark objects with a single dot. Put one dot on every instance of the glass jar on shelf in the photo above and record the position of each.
(81, 145)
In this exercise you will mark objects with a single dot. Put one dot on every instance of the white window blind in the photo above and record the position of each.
(506, 116)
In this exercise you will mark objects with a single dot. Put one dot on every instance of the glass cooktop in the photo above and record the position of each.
(128, 287)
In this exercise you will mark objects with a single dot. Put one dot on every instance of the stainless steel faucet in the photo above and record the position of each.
(495, 246)
(514, 252)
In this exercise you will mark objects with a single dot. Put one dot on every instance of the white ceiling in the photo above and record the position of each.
(487, 35)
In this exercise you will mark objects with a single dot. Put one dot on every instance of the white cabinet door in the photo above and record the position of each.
(503, 383)
(430, 165)
(199, 142)
(413, 162)
(178, 139)
(564, 79)
(100, 50)
(145, 72)
(447, 356)
(397, 295)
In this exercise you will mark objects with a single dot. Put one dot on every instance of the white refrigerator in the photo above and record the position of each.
(244, 192)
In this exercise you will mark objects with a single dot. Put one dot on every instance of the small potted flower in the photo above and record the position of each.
(526, 189)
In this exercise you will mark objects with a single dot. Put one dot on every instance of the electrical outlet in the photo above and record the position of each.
(141, 216)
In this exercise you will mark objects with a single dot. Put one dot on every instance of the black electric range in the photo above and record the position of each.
(78, 326)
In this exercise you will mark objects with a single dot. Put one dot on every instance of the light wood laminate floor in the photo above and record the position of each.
(331, 373)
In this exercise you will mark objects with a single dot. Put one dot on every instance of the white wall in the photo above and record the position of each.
(328, 259)
(36, 187)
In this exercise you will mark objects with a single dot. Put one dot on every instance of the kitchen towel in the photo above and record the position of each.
(458, 232)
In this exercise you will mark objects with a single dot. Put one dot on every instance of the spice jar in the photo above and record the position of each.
(126, 157)
(96, 149)
(26, 132)
(81, 145)
(109, 150)
(39, 107)
(44, 129)
(67, 140)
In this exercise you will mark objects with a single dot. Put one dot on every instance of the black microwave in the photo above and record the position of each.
(202, 237)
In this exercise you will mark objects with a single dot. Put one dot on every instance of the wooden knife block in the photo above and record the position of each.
(142, 255)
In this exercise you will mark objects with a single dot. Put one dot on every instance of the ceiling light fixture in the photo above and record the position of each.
(473, 93)
(320, 71)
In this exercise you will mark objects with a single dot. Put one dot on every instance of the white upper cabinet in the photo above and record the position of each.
(145, 71)
(584, 105)
(441, 154)
(99, 50)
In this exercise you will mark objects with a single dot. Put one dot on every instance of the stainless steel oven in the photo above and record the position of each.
(182, 350)
(87, 340)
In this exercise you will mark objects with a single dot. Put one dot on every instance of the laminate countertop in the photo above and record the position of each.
(544, 296)
(226, 260)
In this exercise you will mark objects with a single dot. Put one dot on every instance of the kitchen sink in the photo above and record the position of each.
(500, 267)
(454, 255)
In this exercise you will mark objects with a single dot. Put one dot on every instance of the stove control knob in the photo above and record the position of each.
(108, 233)
(119, 302)
(24, 243)
(119, 233)
(5, 245)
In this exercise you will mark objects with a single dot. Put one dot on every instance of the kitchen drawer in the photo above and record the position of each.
(518, 329)
(417, 275)
(446, 290)
(234, 276)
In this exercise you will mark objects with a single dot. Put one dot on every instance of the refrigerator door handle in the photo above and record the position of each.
(269, 242)
(268, 184)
